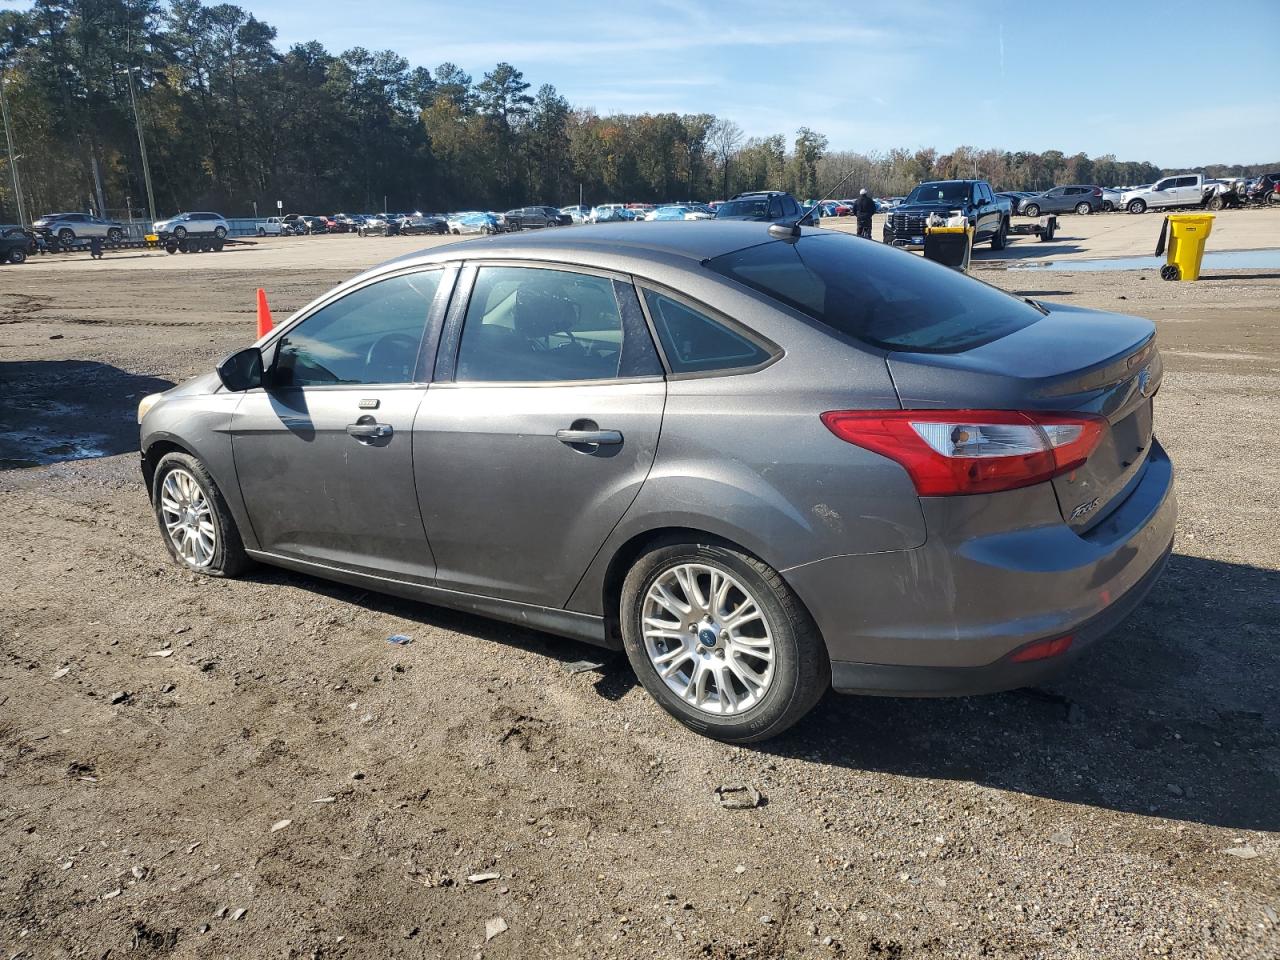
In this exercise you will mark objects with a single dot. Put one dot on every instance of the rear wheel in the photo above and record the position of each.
(197, 527)
(262, 232)
(115, 234)
(17, 255)
(1108, 206)
(1031, 210)
(1083, 208)
(721, 642)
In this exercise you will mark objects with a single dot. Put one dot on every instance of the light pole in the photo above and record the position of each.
(142, 144)
(13, 157)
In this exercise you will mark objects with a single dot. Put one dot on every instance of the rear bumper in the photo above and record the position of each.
(880, 679)
(995, 575)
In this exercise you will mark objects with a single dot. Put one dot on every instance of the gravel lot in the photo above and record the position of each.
(200, 768)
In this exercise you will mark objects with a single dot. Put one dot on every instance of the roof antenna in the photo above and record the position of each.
(790, 229)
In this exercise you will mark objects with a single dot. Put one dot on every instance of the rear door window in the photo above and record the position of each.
(694, 342)
(526, 324)
(878, 295)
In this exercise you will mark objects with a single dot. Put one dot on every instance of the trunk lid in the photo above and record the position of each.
(1071, 360)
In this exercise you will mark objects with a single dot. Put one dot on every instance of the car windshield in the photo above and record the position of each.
(948, 192)
(743, 208)
(879, 295)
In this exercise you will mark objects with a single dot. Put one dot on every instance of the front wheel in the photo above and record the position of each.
(1137, 206)
(66, 236)
(1031, 210)
(17, 255)
(1083, 208)
(180, 232)
(721, 642)
(220, 232)
(197, 527)
(1000, 237)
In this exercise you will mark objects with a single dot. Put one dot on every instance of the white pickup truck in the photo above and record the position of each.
(270, 227)
(1183, 190)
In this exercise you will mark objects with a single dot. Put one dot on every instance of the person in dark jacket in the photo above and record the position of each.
(864, 209)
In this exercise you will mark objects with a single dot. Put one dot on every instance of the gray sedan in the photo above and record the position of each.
(1082, 200)
(762, 466)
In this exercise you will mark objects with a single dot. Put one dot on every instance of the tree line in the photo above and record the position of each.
(229, 121)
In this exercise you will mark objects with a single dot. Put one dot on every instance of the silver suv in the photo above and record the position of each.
(70, 227)
(196, 224)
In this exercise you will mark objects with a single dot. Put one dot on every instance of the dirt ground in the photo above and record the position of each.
(199, 768)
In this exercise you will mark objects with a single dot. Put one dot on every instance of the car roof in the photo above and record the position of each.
(607, 246)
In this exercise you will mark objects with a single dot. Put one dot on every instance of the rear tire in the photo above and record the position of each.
(1083, 209)
(1031, 210)
(115, 234)
(225, 556)
(799, 672)
(17, 255)
(1108, 206)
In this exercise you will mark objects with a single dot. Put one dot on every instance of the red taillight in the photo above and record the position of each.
(1043, 649)
(953, 452)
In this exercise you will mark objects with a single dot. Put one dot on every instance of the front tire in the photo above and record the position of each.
(1137, 206)
(66, 236)
(721, 642)
(197, 527)
(17, 255)
(1031, 210)
(220, 232)
(1000, 237)
(180, 232)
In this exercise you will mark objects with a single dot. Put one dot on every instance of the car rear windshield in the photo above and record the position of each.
(885, 297)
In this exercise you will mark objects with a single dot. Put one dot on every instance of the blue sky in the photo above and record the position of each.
(1020, 74)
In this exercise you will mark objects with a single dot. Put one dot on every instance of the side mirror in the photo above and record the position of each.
(241, 371)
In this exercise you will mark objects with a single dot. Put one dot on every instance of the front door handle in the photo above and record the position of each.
(369, 431)
(589, 436)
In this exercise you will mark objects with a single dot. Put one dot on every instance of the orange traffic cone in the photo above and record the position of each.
(264, 314)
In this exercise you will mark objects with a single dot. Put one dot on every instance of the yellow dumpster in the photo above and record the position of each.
(949, 246)
(1187, 235)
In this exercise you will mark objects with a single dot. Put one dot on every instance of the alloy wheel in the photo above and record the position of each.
(708, 638)
(188, 518)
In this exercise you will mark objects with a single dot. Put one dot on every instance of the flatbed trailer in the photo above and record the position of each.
(1043, 227)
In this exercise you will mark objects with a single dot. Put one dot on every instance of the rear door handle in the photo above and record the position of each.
(369, 431)
(589, 436)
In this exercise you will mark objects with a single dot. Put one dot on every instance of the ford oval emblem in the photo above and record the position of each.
(1144, 381)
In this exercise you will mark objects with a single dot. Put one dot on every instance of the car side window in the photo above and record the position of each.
(793, 208)
(525, 324)
(775, 208)
(694, 342)
(369, 336)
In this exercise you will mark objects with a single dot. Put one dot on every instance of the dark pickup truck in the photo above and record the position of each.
(987, 214)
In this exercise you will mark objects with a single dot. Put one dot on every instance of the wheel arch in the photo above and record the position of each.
(628, 552)
(156, 451)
